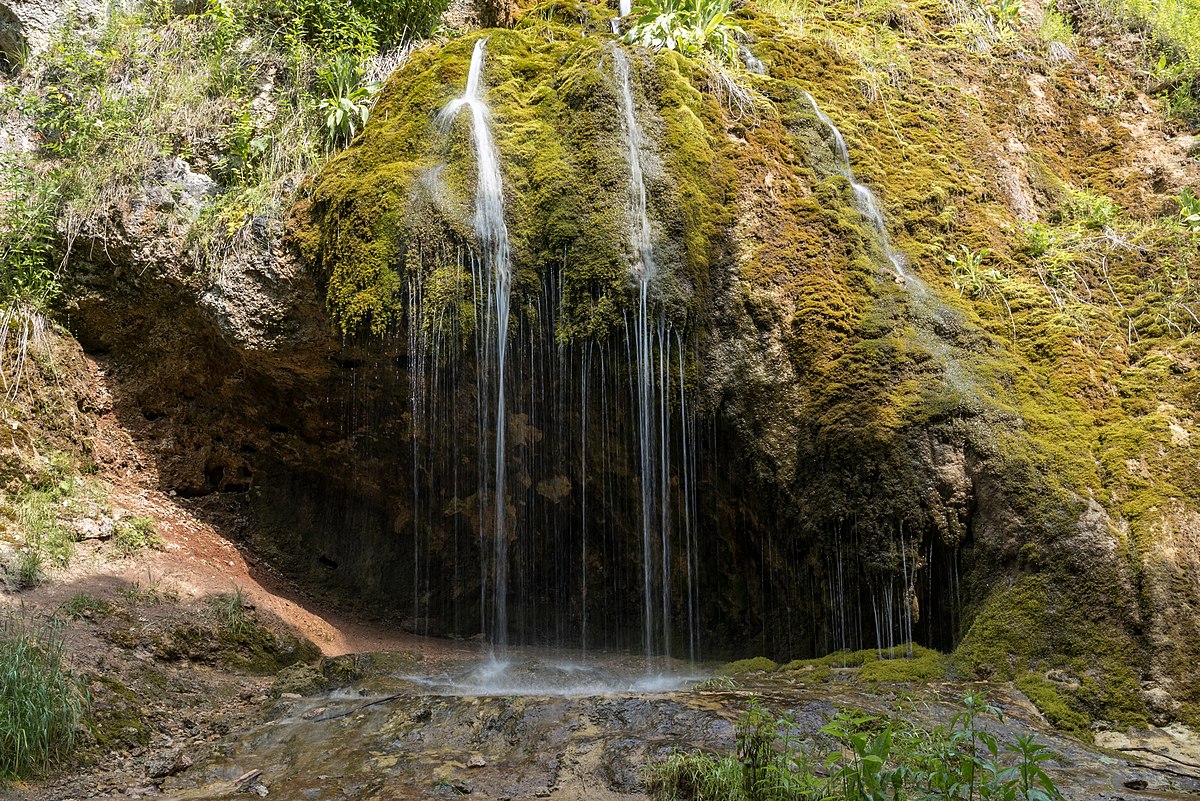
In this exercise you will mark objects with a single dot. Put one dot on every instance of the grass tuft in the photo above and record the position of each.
(43, 704)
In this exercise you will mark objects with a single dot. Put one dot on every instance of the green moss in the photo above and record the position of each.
(758, 664)
(894, 665)
(117, 721)
(1037, 625)
(924, 665)
(1057, 710)
(301, 678)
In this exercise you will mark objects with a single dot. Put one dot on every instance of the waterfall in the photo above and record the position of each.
(864, 198)
(492, 235)
(653, 434)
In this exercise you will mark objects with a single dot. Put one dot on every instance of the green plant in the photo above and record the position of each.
(875, 759)
(347, 101)
(690, 27)
(28, 205)
(38, 515)
(397, 21)
(1189, 210)
(1057, 34)
(1005, 13)
(43, 703)
(152, 593)
(229, 609)
(28, 569)
(84, 605)
(970, 277)
(326, 26)
(134, 534)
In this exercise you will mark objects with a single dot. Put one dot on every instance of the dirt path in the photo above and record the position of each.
(195, 562)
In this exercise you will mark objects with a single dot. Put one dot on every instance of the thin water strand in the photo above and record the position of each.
(491, 233)
(864, 198)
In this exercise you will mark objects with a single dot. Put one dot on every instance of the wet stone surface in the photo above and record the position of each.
(444, 739)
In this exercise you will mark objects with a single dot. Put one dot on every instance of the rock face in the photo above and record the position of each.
(27, 26)
(842, 453)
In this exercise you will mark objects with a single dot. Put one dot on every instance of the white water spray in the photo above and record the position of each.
(492, 235)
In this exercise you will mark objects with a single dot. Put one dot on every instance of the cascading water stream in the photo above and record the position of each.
(651, 436)
(864, 198)
(492, 234)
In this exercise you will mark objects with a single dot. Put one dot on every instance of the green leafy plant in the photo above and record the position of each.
(135, 534)
(28, 204)
(691, 27)
(397, 21)
(1005, 13)
(875, 759)
(347, 102)
(43, 704)
(1189, 210)
(970, 276)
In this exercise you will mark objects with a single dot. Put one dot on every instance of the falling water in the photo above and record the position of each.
(652, 432)
(864, 198)
(492, 234)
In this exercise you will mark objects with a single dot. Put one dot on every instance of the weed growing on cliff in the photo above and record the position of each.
(43, 703)
(691, 27)
(235, 90)
(40, 515)
(347, 101)
(229, 609)
(1173, 28)
(875, 758)
(1057, 34)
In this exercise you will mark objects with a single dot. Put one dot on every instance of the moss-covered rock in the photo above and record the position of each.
(758, 664)
(992, 460)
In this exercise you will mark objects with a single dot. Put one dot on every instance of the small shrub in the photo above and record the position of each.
(397, 21)
(28, 204)
(135, 534)
(42, 703)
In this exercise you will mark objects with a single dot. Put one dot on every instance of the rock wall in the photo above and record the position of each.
(857, 455)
